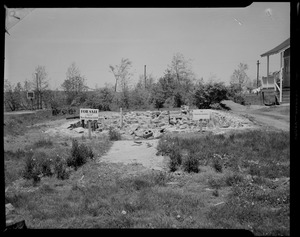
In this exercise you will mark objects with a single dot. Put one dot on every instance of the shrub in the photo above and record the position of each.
(175, 159)
(239, 99)
(114, 135)
(60, 168)
(209, 94)
(31, 169)
(37, 164)
(79, 154)
(191, 163)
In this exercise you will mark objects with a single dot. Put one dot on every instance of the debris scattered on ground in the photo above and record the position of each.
(153, 124)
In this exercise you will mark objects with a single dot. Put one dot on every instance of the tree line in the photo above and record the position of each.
(178, 86)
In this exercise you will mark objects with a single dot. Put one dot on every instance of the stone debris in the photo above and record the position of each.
(9, 208)
(153, 124)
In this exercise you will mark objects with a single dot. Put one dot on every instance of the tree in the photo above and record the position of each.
(40, 84)
(74, 85)
(122, 74)
(181, 71)
(239, 78)
(181, 68)
(10, 99)
(157, 96)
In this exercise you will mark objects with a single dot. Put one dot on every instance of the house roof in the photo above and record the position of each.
(277, 49)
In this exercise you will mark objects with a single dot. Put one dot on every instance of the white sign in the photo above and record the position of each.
(89, 114)
(200, 114)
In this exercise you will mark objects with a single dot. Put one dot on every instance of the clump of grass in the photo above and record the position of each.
(233, 179)
(217, 165)
(79, 154)
(216, 193)
(216, 182)
(191, 163)
(113, 134)
(43, 143)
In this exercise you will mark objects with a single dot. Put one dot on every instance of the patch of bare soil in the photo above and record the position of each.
(136, 153)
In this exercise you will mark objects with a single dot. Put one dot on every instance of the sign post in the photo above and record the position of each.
(121, 115)
(89, 125)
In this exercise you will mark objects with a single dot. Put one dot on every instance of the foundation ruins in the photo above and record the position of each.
(153, 124)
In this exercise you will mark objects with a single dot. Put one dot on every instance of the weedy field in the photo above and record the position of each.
(230, 181)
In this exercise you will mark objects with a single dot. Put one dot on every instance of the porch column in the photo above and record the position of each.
(281, 76)
(268, 71)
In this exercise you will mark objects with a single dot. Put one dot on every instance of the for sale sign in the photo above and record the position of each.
(201, 114)
(89, 114)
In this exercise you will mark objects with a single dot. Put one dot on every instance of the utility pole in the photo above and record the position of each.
(145, 75)
(37, 91)
(257, 72)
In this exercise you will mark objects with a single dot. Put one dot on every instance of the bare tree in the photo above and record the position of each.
(239, 77)
(74, 83)
(181, 69)
(40, 84)
(10, 99)
(122, 74)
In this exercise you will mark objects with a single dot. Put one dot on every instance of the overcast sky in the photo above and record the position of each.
(216, 40)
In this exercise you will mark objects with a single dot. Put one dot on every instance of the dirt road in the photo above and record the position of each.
(275, 117)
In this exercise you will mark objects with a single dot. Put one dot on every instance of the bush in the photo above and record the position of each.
(191, 163)
(79, 154)
(175, 161)
(60, 168)
(37, 165)
(239, 99)
(209, 94)
(31, 169)
(114, 135)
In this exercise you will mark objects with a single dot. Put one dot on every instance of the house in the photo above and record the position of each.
(279, 83)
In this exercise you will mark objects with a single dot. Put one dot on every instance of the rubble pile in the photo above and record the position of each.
(153, 124)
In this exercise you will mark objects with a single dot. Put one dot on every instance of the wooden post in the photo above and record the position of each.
(89, 125)
(257, 73)
(121, 116)
(200, 125)
(281, 76)
(145, 75)
(268, 71)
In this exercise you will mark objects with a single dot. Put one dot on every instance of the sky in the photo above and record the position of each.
(216, 40)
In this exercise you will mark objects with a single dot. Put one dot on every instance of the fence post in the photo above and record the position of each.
(121, 116)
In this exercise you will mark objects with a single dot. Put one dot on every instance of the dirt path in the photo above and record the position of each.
(129, 152)
(271, 117)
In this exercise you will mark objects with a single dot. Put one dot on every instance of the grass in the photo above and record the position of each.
(103, 195)
(248, 163)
